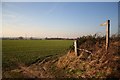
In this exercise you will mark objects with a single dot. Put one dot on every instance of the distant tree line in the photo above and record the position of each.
(82, 39)
(33, 38)
(58, 38)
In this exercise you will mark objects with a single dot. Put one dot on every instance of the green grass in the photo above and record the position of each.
(27, 51)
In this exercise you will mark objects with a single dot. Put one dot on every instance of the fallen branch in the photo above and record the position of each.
(85, 50)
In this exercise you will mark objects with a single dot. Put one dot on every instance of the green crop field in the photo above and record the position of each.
(27, 51)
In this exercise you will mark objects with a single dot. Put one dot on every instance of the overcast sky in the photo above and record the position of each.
(57, 19)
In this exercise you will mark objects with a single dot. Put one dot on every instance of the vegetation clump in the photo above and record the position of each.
(98, 63)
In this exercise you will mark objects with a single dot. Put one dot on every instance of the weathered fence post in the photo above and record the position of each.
(75, 47)
(107, 24)
(107, 34)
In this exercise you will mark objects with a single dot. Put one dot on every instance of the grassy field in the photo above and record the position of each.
(27, 51)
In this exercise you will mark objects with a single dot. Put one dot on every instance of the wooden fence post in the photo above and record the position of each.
(107, 34)
(107, 24)
(76, 47)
